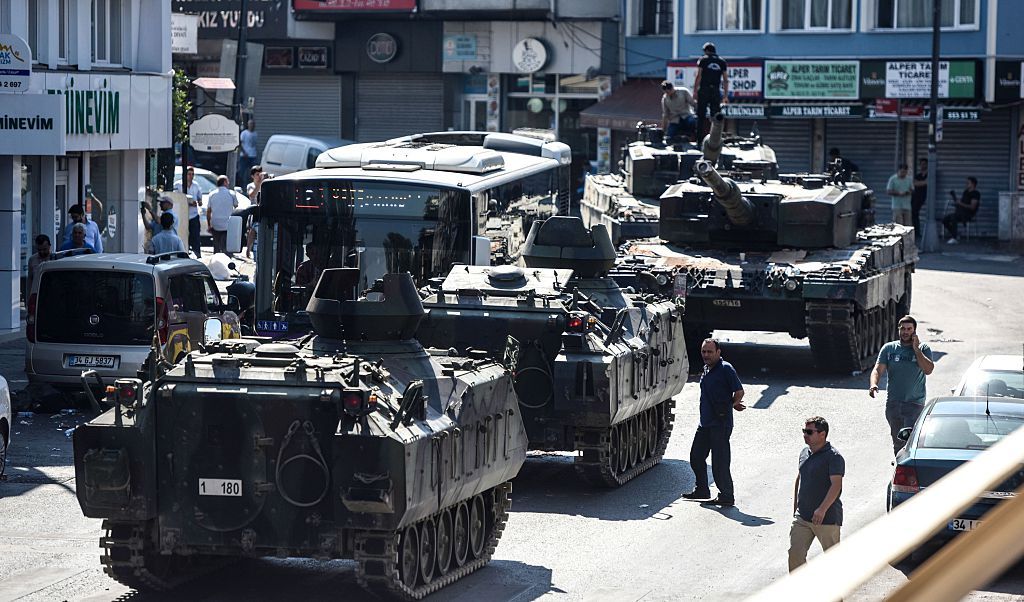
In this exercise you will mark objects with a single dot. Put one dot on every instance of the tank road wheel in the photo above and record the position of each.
(460, 535)
(623, 449)
(428, 550)
(445, 541)
(409, 556)
(613, 449)
(642, 424)
(477, 526)
(634, 441)
(653, 431)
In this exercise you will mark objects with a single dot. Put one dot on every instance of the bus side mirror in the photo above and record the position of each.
(234, 236)
(481, 250)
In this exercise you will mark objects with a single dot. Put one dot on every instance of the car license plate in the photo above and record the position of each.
(964, 524)
(221, 487)
(92, 361)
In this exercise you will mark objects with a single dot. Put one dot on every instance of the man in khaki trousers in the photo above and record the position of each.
(817, 509)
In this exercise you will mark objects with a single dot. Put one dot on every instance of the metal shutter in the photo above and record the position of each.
(303, 105)
(389, 105)
(790, 139)
(872, 146)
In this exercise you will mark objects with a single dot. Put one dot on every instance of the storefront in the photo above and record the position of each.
(298, 79)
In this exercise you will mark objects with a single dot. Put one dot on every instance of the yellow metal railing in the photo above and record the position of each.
(972, 560)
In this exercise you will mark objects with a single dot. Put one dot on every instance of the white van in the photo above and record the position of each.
(285, 154)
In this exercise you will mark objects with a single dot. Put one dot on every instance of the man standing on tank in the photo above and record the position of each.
(720, 393)
(907, 361)
(712, 86)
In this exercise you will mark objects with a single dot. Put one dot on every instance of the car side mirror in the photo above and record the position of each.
(212, 330)
(904, 434)
(233, 304)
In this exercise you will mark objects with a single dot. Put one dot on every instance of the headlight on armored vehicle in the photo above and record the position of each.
(357, 402)
(791, 285)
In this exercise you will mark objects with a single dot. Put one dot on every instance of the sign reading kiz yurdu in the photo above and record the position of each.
(811, 79)
(32, 124)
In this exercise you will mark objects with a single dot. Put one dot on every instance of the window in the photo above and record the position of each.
(63, 30)
(188, 292)
(816, 14)
(728, 15)
(5, 16)
(106, 31)
(33, 28)
(95, 308)
(917, 14)
(655, 17)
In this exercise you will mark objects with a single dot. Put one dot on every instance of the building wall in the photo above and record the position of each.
(645, 55)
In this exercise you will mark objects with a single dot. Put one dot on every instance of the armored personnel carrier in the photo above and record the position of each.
(595, 367)
(353, 443)
(790, 255)
(628, 203)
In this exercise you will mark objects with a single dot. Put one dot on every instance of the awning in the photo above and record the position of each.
(635, 100)
(214, 83)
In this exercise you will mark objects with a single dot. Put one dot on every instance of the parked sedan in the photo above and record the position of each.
(207, 181)
(5, 423)
(995, 376)
(951, 431)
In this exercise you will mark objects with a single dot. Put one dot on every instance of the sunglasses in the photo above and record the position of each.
(809, 432)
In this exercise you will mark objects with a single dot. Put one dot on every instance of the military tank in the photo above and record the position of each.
(355, 442)
(795, 255)
(628, 203)
(595, 367)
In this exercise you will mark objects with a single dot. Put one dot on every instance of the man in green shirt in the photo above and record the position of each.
(900, 187)
(907, 362)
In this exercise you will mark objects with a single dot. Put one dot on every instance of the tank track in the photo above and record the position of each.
(377, 553)
(844, 338)
(129, 558)
(601, 450)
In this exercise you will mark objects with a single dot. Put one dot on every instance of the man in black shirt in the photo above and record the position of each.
(964, 211)
(711, 73)
(817, 510)
(919, 194)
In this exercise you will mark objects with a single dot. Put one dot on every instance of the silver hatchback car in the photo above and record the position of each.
(101, 312)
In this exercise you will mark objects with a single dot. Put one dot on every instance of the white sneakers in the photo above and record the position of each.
(952, 241)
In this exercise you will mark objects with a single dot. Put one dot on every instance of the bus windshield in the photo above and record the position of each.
(377, 226)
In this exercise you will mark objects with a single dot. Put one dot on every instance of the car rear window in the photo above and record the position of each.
(100, 308)
(996, 384)
(966, 432)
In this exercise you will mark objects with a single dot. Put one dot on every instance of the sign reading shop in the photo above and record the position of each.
(31, 124)
(745, 77)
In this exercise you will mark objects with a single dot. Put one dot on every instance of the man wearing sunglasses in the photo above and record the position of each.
(817, 510)
(720, 393)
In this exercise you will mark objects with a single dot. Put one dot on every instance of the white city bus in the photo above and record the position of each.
(417, 204)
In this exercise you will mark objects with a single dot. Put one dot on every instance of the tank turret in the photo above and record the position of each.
(390, 311)
(712, 144)
(562, 242)
(739, 210)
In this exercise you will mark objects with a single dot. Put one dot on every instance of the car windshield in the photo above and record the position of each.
(995, 384)
(95, 308)
(966, 432)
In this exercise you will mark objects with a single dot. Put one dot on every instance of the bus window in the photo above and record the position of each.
(510, 211)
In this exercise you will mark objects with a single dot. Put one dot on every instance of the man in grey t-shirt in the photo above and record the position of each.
(677, 111)
(907, 361)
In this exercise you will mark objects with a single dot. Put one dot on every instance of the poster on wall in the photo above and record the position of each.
(812, 79)
(745, 77)
(493, 103)
(604, 150)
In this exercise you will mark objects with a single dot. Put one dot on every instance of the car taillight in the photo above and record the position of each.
(162, 319)
(30, 320)
(905, 480)
(358, 402)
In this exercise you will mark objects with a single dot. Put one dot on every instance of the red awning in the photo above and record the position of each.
(635, 100)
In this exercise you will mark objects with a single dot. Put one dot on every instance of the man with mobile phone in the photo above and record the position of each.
(907, 362)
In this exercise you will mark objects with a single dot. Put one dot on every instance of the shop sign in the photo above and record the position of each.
(745, 77)
(459, 47)
(743, 111)
(891, 108)
(811, 79)
(823, 111)
(382, 48)
(91, 111)
(312, 57)
(354, 5)
(529, 55)
(1009, 84)
(279, 57)
(214, 134)
(32, 124)
(913, 79)
(15, 64)
(219, 18)
(184, 33)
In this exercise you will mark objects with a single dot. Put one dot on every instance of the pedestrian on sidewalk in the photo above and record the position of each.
(920, 195)
(964, 209)
(167, 239)
(899, 187)
(78, 239)
(907, 362)
(254, 200)
(720, 393)
(42, 254)
(220, 206)
(92, 231)
(817, 509)
(712, 86)
(195, 202)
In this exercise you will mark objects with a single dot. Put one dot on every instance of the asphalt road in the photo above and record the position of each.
(566, 540)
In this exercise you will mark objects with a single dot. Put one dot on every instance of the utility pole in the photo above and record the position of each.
(240, 57)
(930, 236)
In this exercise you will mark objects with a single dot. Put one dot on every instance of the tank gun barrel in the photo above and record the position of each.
(739, 210)
(712, 144)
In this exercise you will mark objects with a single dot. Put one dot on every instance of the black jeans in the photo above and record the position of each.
(220, 239)
(915, 214)
(707, 99)
(952, 220)
(713, 440)
(193, 236)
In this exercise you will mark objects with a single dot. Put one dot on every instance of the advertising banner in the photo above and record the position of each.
(912, 79)
(811, 79)
(743, 111)
(1009, 84)
(219, 18)
(459, 47)
(745, 77)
